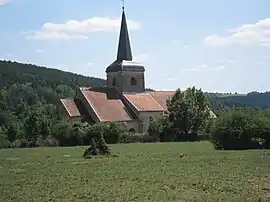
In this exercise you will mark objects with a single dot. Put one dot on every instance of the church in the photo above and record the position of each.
(124, 99)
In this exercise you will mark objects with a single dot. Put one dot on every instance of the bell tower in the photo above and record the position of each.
(125, 74)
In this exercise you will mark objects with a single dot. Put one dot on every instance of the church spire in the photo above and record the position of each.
(124, 48)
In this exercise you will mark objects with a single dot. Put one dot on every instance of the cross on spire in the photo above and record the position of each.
(123, 4)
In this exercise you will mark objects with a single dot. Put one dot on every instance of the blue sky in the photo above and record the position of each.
(216, 45)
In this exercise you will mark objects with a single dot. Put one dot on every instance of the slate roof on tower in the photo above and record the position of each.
(124, 48)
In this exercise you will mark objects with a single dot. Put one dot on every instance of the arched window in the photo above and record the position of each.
(132, 131)
(150, 118)
(133, 81)
(114, 81)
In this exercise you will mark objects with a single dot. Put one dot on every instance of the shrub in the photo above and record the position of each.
(40, 142)
(155, 128)
(187, 137)
(61, 132)
(52, 142)
(98, 145)
(136, 138)
(241, 129)
(162, 129)
(20, 143)
(103, 148)
(92, 150)
(112, 133)
(70, 134)
(4, 143)
(46, 142)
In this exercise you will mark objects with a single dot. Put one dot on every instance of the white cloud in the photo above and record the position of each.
(258, 63)
(267, 57)
(170, 79)
(231, 61)
(177, 42)
(220, 61)
(89, 64)
(203, 67)
(141, 57)
(39, 51)
(226, 61)
(219, 68)
(74, 29)
(3, 2)
(247, 34)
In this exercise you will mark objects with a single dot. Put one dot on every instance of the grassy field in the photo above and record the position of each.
(141, 172)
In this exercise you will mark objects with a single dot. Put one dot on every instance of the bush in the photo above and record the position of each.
(4, 143)
(61, 132)
(67, 133)
(20, 143)
(92, 150)
(241, 129)
(52, 142)
(187, 137)
(136, 138)
(112, 133)
(98, 145)
(162, 130)
(46, 142)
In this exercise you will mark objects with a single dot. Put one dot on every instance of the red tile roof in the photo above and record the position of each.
(161, 97)
(107, 104)
(70, 107)
(143, 101)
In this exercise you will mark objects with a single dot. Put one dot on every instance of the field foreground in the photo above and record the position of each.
(141, 172)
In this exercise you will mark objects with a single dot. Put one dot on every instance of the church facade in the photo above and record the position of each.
(124, 99)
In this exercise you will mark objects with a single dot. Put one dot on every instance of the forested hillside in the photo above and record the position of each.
(252, 100)
(25, 86)
(13, 72)
(33, 83)
(29, 100)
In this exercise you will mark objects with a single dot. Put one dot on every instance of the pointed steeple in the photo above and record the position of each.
(124, 48)
(124, 58)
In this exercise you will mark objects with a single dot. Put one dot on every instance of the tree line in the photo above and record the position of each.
(30, 115)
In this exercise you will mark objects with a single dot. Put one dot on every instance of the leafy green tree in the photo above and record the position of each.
(61, 131)
(13, 132)
(4, 119)
(64, 91)
(187, 111)
(38, 121)
(241, 128)
(112, 133)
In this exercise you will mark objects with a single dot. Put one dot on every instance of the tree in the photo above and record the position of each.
(241, 128)
(187, 111)
(39, 120)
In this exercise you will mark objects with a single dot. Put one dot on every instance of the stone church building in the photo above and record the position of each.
(124, 99)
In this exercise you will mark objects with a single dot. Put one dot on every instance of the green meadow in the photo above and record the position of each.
(135, 172)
